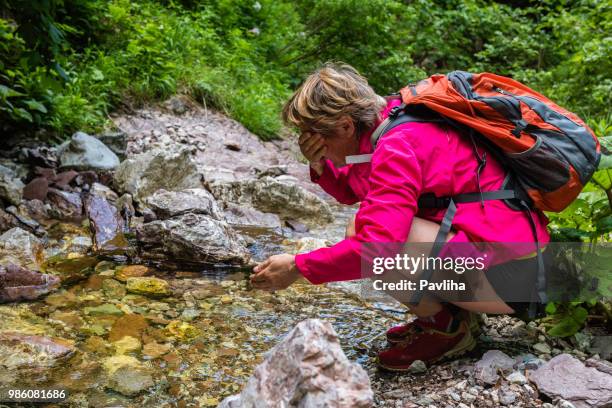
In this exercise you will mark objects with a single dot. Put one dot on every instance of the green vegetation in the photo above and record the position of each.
(65, 64)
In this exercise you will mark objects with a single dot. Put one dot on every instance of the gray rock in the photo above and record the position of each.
(7, 221)
(169, 168)
(486, 369)
(115, 141)
(268, 194)
(417, 367)
(246, 216)
(84, 152)
(21, 248)
(195, 239)
(306, 369)
(561, 403)
(568, 378)
(168, 204)
(517, 378)
(11, 187)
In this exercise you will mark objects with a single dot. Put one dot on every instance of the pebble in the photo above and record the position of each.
(417, 367)
(517, 378)
(506, 397)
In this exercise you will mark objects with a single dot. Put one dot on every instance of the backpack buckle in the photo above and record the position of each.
(394, 112)
(429, 200)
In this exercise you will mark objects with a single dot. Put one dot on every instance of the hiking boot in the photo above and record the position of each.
(402, 332)
(428, 345)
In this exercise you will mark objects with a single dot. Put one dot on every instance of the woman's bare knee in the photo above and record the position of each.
(423, 230)
(350, 227)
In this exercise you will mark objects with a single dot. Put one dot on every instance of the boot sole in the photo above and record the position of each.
(467, 344)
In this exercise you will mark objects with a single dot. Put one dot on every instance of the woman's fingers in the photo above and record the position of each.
(312, 142)
(319, 153)
(263, 265)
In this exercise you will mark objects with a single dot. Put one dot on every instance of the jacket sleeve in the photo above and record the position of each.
(385, 215)
(335, 182)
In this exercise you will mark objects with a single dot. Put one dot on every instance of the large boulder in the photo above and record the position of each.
(84, 152)
(19, 247)
(11, 187)
(168, 204)
(283, 197)
(306, 369)
(568, 378)
(246, 216)
(191, 239)
(170, 168)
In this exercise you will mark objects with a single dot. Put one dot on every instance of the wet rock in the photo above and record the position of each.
(308, 244)
(113, 289)
(153, 287)
(17, 283)
(65, 205)
(127, 375)
(116, 141)
(154, 350)
(123, 273)
(21, 248)
(36, 189)
(11, 187)
(26, 351)
(306, 369)
(168, 168)
(106, 224)
(246, 216)
(127, 325)
(268, 194)
(24, 220)
(191, 239)
(486, 369)
(182, 331)
(168, 204)
(84, 152)
(127, 344)
(34, 209)
(568, 378)
(102, 310)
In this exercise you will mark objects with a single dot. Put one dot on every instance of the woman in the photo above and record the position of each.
(337, 111)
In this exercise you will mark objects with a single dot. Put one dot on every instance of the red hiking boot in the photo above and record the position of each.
(428, 345)
(402, 332)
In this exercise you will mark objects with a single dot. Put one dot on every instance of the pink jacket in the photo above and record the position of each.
(410, 160)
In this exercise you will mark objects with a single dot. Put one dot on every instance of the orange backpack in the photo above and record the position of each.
(549, 152)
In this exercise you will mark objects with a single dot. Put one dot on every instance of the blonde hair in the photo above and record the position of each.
(328, 94)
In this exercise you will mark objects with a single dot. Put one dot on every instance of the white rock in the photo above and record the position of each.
(306, 369)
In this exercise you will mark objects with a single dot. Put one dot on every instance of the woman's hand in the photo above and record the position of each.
(312, 146)
(275, 273)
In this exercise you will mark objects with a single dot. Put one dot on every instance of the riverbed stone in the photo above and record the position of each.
(123, 273)
(113, 289)
(170, 168)
(127, 375)
(19, 247)
(286, 198)
(11, 187)
(102, 310)
(127, 344)
(26, 351)
(128, 325)
(191, 239)
(85, 152)
(148, 286)
(306, 369)
(168, 204)
(17, 284)
(566, 377)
